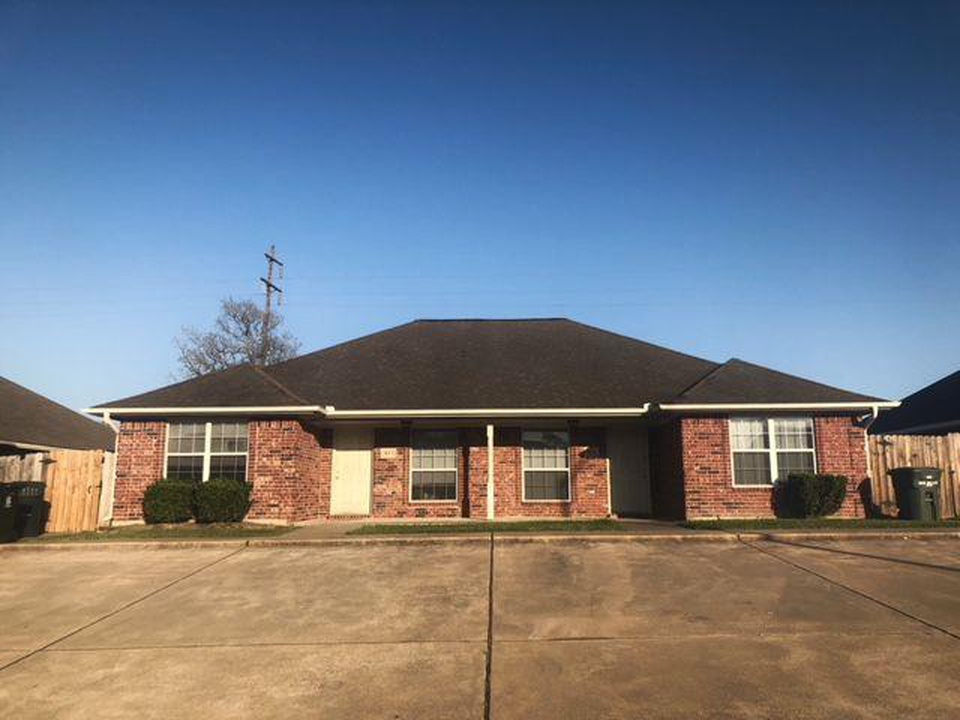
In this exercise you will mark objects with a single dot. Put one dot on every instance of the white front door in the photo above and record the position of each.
(352, 471)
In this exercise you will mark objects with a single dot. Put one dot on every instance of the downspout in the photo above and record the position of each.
(874, 413)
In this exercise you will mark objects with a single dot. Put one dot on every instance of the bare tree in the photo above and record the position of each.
(238, 336)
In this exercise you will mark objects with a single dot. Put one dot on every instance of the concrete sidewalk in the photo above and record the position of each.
(572, 628)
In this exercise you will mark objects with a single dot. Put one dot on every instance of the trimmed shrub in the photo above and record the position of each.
(805, 495)
(221, 500)
(168, 501)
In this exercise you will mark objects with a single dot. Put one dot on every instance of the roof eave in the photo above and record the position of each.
(707, 407)
(332, 413)
(207, 410)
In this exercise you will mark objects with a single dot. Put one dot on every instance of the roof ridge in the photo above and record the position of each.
(488, 319)
(279, 385)
(178, 383)
(644, 342)
(341, 344)
(934, 384)
(790, 376)
(702, 379)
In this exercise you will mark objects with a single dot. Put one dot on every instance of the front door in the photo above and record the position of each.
(629, 470)
(352, 471)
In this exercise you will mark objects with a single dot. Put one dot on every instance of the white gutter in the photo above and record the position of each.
(329, 411)
(240, 410)
(333, 413)
(783, 406)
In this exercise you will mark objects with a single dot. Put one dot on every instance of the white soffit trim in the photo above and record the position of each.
(333, 413)
(865, 405)
(268, 409)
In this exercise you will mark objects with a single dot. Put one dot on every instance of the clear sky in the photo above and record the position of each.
(778, 182)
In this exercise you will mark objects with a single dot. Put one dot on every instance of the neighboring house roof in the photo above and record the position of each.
(492, 364)
(934, 410)
(27, 418)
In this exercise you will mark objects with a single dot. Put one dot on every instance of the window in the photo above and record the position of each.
(185, 451)
(546, 466)
(768, 449)
(433, 473)
(199, 451)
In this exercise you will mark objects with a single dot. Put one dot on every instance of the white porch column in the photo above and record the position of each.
(491, 496)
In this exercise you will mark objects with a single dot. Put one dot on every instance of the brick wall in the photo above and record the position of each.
(589, 496)
(287, 463)
(289, 466)
(140, 457)
(708, 471)
(391, 480)
(841, 450)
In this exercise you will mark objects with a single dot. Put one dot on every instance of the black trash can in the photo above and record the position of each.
(8, 512)
(32, 510)
(918, 492)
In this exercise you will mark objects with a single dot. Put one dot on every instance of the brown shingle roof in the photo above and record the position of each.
(737, 381)
(471, 364)
(29, 418)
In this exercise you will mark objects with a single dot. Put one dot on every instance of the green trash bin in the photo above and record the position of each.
(8, 512)
(32, 509)
(918, 492)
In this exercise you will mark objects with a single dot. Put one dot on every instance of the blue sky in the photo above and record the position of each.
(778, 182)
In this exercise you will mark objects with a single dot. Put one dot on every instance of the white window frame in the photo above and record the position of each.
(207, 453)
(524, 469)
(456, 470)
(772, 450)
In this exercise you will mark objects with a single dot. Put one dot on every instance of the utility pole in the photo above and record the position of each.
(269, 287)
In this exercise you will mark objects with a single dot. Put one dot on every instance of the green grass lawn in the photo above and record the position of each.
(821, 524)
(187, 531)
(519, 526)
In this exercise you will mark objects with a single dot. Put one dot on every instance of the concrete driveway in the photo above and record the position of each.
(574, 629)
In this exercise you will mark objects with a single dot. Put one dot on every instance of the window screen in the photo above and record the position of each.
(769, 449)
(546, 465)
(434, 466)
(200, 451)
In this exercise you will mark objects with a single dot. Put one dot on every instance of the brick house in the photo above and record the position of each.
(493, 419)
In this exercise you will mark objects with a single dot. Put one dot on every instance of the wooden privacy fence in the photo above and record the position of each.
(73, 479)
(892, 451)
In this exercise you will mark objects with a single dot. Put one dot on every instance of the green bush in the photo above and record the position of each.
(221, 500)
(806, 495)
(168, 501)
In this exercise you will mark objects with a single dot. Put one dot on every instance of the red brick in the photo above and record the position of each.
(707, 467)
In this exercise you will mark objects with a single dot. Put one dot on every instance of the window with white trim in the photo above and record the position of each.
(433, 469)
(768, 449)
(546, 466)
(197, 452)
